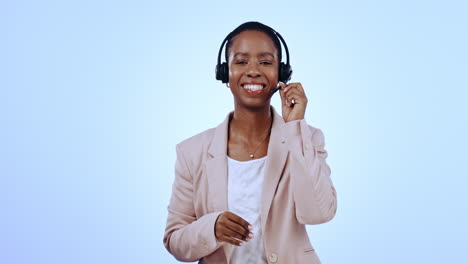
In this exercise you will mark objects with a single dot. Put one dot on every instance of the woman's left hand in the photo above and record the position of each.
(293, 100)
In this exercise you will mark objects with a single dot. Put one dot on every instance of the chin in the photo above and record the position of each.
(254, 104)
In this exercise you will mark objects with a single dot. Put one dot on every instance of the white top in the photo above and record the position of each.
(245, 180)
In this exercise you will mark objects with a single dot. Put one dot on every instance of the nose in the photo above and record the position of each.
(253, 71)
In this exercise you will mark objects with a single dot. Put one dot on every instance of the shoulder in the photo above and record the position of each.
(197, 144)
(193, 151)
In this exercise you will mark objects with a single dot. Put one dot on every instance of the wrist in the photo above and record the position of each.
(214, 226)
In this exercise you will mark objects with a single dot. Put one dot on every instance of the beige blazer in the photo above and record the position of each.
(297, 191)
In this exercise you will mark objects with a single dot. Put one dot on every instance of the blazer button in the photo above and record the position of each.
(273, 258)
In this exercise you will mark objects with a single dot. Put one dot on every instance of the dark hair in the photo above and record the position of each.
(254, 25)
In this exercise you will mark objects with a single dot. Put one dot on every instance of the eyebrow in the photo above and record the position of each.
(261, 54)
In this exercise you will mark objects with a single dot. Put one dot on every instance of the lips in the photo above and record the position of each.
(253, 88)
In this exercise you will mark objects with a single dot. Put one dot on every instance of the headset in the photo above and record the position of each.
(285, 70)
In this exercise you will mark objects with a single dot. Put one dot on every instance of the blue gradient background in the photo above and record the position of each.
(94, 95)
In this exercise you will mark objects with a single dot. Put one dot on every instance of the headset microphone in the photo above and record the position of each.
(276, 89)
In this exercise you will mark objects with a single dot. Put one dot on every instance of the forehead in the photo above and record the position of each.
(252, 42)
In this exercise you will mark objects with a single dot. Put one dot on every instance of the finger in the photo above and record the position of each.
(241, 230)
(288, 90)
(299, 87)
(282, 85)
(232, 241)
(283, 98)
(288, 86)
(295, 84)
(293, 88)
(292, 97)
(296, 96)
(236, 235)
(294, 101)
(239, 220)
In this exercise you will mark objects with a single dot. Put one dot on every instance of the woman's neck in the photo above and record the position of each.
(250, 125)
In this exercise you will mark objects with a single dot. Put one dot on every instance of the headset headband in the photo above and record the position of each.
(228, 37)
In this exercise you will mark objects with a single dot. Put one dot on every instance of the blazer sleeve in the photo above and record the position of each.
(313, 191)
(186, 237)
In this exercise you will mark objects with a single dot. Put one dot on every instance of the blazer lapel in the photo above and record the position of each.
(274, 165)
(217, 173)
(216, 167)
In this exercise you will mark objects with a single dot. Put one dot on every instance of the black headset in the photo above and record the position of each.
(285, 70)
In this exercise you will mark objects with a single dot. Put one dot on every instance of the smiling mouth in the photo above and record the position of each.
(253, 87)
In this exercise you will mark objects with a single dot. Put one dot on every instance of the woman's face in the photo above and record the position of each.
(253, 68)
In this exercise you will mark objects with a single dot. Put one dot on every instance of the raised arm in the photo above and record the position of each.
(313, 190)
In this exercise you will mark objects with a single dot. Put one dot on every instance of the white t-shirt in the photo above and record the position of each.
(245, 180)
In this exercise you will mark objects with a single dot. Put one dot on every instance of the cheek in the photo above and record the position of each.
(272, 76)
(234, 73)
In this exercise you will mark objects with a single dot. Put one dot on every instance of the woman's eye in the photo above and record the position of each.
(241, 62)
(266, 62)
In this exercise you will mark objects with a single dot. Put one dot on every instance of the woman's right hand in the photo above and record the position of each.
(232, 229)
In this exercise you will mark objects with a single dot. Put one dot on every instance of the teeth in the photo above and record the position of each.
(253, 87)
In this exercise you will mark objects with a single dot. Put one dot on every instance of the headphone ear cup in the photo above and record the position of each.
(285, 72)
(222, 73)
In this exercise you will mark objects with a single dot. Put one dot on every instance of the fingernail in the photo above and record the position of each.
(240, 244)
(247, 239)
(251, 235)
(250, 227)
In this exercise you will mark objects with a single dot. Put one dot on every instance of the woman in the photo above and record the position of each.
(244, 191)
